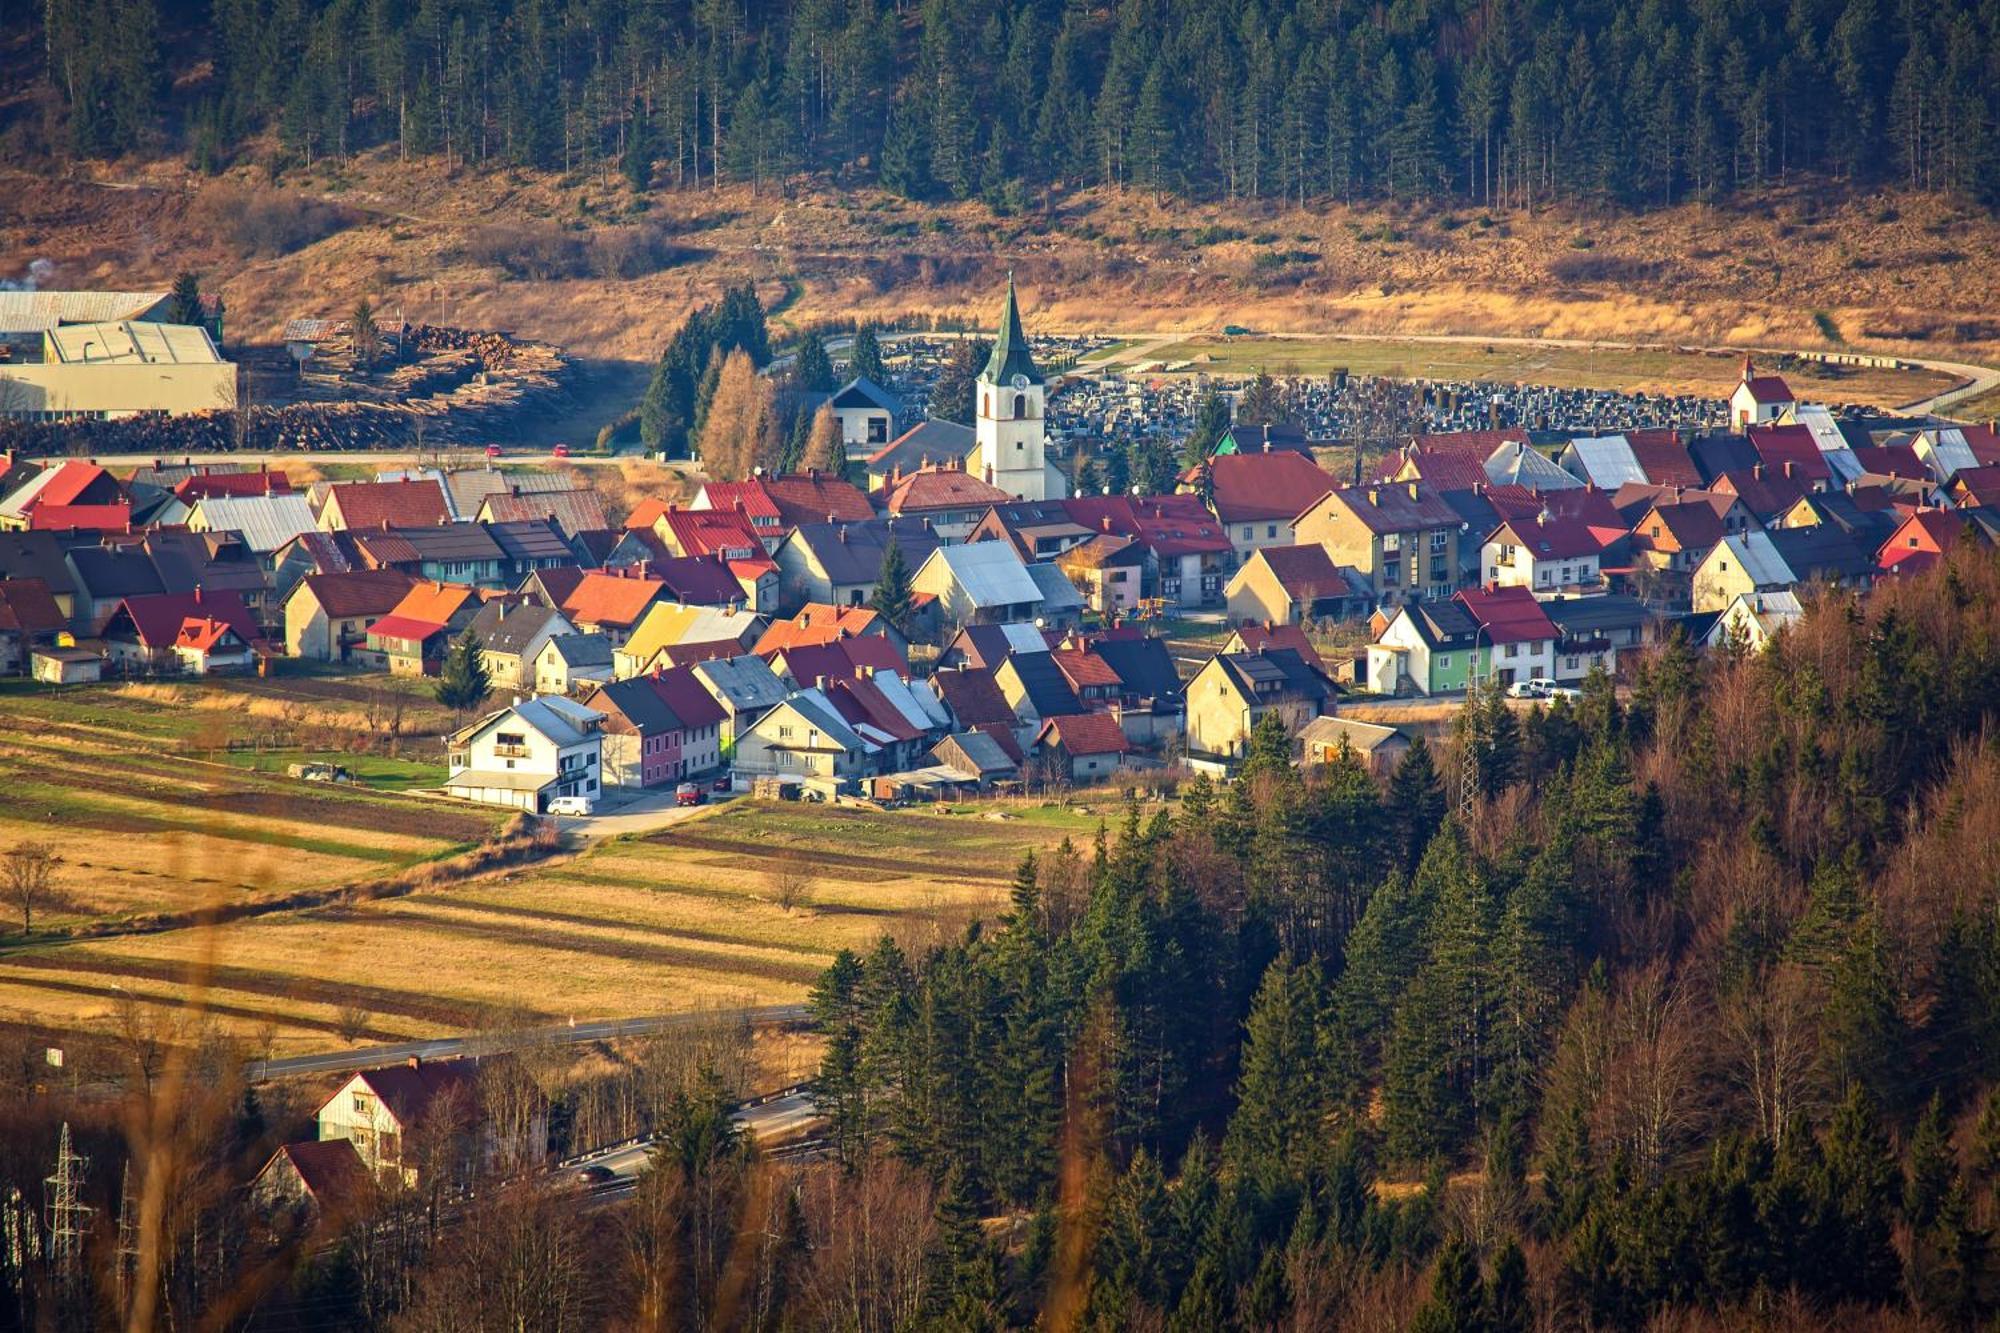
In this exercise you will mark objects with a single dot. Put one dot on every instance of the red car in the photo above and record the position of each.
(562, 451)
(689, 793)
(492, 451)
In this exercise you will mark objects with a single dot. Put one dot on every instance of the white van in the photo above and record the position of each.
(571, 805)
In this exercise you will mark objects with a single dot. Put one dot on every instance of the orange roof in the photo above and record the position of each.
(1085, 733)
(435, 602)
(942, 488)
(201, 633)
(646, 513)
(709, 532)
(1082, 667)
(819, 622)
(611, 599)
(418, 503)
(69, 484)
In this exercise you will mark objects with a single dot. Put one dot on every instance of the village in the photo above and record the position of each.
(938, 620)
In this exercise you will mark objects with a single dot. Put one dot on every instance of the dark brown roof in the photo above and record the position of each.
(364, 592)
(411, 1090)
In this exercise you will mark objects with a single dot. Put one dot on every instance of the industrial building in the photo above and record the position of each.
(119, 369)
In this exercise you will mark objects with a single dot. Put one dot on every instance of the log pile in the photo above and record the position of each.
(467, 387)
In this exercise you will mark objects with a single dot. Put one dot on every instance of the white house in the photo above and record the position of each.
(868, 415)
(526, 755)
(1754, 619)
(404, 1117)
(805, 736)
(1759, 400)
(1544, 554)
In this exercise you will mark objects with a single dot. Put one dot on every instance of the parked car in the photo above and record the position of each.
(571, 805)
(1529, 689)
(725, 783)
(492, 451)
(689, 793)
(561, 451)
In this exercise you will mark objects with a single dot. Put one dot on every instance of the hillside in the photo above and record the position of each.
(585, 264)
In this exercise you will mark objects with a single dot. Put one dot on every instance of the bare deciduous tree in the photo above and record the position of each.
(791, 881)
(352, 1022)
(29, 875)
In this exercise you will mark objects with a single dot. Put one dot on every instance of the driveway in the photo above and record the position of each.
(647, 810)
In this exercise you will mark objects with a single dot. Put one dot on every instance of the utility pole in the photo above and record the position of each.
(128, 1239)
(1468, 759)
(67, 1217)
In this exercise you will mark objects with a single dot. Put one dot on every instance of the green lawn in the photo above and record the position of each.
(373, 771)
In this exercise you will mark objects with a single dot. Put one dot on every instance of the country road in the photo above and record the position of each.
(445, 1048)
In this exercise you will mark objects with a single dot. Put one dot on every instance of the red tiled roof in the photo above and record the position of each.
(1790, 451)
(812, 497)
(1444, 469)
(711, 532)
(691, 702)
(1305, 571)
(1552, 538)
(46, 517)
(1082, 668)
(699, 580)
(417, 503)
(28, 607)
(1663, 457)
(204, 484)
(1692, 524)
(331, 1171)
(1770, 389)
(1089, 733)
(395, 626)
(646, 513)
(364, 592)
(611, 599)
(1981, 485)
(1765, 496)
(973, 697)
(1934, 531)
(941, 488)
(1479, 443)
(157, 618)
(73, 480)
(1280, 484)
(859, 699)
(202, 633)
(434, 601)
(1255, 638)
(1510, 615)
(1891, 460)
(807, 662)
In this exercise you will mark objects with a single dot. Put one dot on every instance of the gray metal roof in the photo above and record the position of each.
(1758, 558)
(745, 682)
(1605, 461)
(32, 312)
(1058, 593)
(989, 573)
(266, 521)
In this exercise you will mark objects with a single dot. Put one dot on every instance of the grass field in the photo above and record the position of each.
(1634, 370)
(674, 921)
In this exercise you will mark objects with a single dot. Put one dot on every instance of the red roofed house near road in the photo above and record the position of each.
(1084, 747)
(419, 503)
(1256, 496)
(144, 632)
(1546, 554)
(1516, 633)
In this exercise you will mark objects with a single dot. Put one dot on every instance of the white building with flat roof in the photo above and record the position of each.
(121, 369)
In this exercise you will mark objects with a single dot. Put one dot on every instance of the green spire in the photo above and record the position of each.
(1010, 347)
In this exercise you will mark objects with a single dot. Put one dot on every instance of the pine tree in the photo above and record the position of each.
(637, 162)
(1933, 1168)
(1281, 1095)
(864, 358)
(1414, 804)
(1211, 421)
(1858, 1183)
(1509, 1306)
(1457, 1299)
(463, 681)
(363, 336)
(892, 587)
(953, 398)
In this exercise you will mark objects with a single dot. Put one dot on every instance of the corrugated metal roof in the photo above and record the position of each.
(32, 312)
(1515, 464)
(1606, 461)
(1950, 454)
(266, 521)
(1759, 558)
(1058, 593)
(989, 573)
(130, 342)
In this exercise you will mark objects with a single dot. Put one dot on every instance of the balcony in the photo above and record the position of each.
(510, 751)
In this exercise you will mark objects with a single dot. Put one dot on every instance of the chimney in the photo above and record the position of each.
(197, 594)
(1788, 467)
(1757, 471)
(1413, 489)
(417, 1061)
(819, 682)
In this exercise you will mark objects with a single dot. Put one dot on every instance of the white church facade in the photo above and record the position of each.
(1010, 447)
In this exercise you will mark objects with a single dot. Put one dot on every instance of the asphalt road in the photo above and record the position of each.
(445, 1048)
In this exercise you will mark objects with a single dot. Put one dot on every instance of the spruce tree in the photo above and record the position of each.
(891, 599)
(812, 370)
(864, 358)
(1282, 1101)
(637, 162)
(1211, 420)
(1933, 1168)
(463, 682)
(1414, 804)
(184, 305)
(1457, 1298)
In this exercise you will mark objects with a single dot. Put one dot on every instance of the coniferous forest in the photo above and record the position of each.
(1502, 102)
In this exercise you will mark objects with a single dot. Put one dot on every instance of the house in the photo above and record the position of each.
(804, 664)
(978, 758)
(1792, 451)
(101, 576)
(417, 503)
(841, 562)
(987, 646)
(774, 505)
(568, 663)
(1921, 541)
(947, 498)
(868, 415)
(1036, 689)
(145, 633)
(1150, 704)
(305, 1185)
(902, 720)
(65, 666)
(1256, 496)
(29, 619)
(402, 1118)
(446, 553)
(1061, 607)
(1673, 537)
(1758, 399)
(1261, 438)
(980, 583)
(527, 754)
(39, 555)
(511, 638)
(612, 604)
(1647, 457)
(669, 625)
(973, 698)
(1975, 488)
(804, 737)
(1590, 632)
(1378, 749)
(933, 443)
(414, 635)
(1945, 451)
(1285, 585)
(818, 623)
(1092, 679)
(1520, 636)
(715, 581)
(72, 485)
(265, 522)
(571, 510)
(658, 728)
(744, 687)
(527, 545)
(1109, 570)
(1426, 648)
(1750, 622)
(1250, 636)
(1765, 494)
(208, 646)
(1547, 555)
(1869, 515)
(1516, 463)
(1402, 539)
(327, 615)
(1083, 747)
(1230, 695)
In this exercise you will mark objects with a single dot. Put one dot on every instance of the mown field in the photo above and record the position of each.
(686, 918)
(1632, 370)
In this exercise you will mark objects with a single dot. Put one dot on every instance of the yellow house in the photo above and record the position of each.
(1738, 565)
(1233, 693)
(1401, 536)
(1283, 585)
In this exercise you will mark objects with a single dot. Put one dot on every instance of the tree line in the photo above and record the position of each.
(1509, 102)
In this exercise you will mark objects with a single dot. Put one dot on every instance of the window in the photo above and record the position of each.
(1248, 532)
(1444, 662)
(1438, 541)
(1271, 530)
(1513, 650)
(363, 1105)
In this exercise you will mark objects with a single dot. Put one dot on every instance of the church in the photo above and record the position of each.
(1010, 447)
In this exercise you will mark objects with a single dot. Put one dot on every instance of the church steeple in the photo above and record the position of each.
(1010, 347)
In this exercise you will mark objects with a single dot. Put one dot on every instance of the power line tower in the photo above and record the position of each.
(128, 1237)
(67, 1217)
(1468, 758)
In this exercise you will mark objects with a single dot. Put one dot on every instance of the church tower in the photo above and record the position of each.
(1011, 431)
